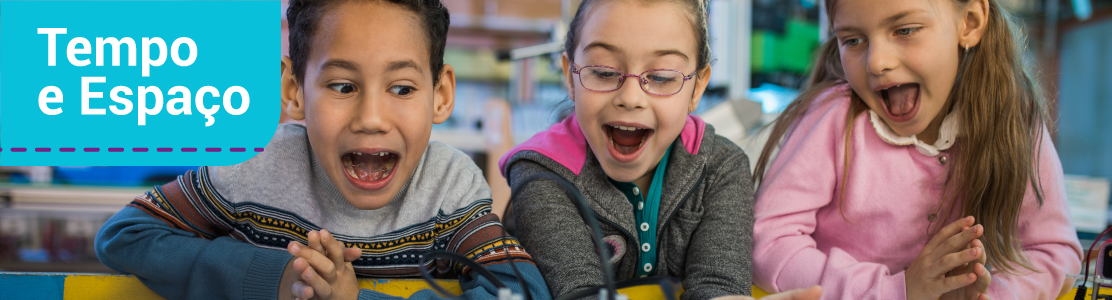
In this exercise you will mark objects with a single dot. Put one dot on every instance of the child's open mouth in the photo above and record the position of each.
(901, 102)
(369, 171)
(626, 142)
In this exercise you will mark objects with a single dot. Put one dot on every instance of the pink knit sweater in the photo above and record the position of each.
(861, 250)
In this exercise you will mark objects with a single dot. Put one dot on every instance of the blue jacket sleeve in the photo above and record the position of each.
(476, 286)
(177, 264)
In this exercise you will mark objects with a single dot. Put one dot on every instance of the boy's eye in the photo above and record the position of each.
(343, 88)
(402, 90)
(907, 31)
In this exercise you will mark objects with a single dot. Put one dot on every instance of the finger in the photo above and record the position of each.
(301, 290)
(351, 254)
(948, 231)
(984, 278)
(324, 266)
(954, 261)
(314, 241)
(333, 248)
(320, 287)
(958, 241)
(955, 282)
(811, 293)
(984, 256)
(984, 297)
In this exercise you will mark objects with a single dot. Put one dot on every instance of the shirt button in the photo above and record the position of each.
(645, 247)
(942, 160)
(645, 227)
(641, 205)
(636, 191)
(648, 267)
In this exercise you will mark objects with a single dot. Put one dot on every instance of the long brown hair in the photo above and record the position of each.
(1002, 113)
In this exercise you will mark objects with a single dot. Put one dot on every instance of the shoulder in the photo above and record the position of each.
(285, 161)
(449, 174)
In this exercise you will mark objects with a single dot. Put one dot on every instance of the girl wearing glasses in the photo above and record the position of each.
(673, 199)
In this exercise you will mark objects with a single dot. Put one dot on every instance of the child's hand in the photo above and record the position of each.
(927, 278)
(324, 268)
(811, 293)
(977, 290)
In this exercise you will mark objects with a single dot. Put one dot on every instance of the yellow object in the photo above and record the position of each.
(77, 286)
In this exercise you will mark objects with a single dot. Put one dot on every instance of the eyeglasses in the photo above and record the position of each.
(658, 82)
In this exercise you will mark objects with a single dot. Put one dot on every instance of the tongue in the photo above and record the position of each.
(627, 142)
(627, 138)
(372, 167)
(902, 99)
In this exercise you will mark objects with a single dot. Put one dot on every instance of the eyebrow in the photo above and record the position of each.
(612, 48)
(605, 46)
(340, 63)
(886, 21)
(402, 64)
(660, 53)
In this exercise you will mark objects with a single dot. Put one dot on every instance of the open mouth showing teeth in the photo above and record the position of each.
(626, 139)
(901, 99)
(369, 167)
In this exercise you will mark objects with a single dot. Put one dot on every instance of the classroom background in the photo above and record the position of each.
(506, 57)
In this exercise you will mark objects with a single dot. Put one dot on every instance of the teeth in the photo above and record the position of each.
(626, 128)
(898, 85)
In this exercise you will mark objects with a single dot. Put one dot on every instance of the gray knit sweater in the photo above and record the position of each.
(705, 225)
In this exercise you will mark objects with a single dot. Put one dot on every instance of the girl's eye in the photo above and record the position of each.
(907, 31)
(852, 42)
(402, 90)
(343, 88)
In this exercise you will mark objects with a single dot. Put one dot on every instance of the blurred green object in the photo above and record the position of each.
(790, 52)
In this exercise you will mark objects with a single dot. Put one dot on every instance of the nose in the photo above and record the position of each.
(881, 59)
(370, 116)
(630, 96)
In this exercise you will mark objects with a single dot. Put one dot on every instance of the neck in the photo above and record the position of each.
(644, 182)
(930, 134)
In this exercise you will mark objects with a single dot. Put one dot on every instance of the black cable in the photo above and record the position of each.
(589, 217)
(454, 257)
(509, 258)
(1086, 262)
(668, 285)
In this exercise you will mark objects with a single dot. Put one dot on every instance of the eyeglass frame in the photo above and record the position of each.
(575, 70)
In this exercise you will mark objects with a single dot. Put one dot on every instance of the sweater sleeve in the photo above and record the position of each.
(724, 231)
(177, 264)
(1048, 237)
(801, 180)
(549, 225)
(477, 287)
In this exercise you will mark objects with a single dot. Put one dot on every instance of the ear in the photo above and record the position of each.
(568, 75)
(445, 99)
(293, 103)
(702, 79)
(973, 22)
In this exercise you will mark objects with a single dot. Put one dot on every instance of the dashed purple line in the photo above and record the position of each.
(136, 149)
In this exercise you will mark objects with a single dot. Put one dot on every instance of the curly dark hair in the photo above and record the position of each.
(304, 15)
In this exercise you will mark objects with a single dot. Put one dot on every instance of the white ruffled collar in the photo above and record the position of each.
(947, 134)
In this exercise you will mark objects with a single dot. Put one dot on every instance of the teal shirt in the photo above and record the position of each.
(646, 210)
